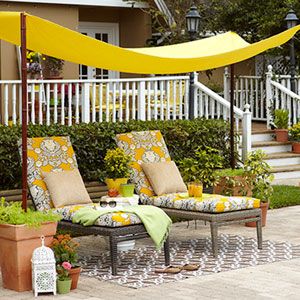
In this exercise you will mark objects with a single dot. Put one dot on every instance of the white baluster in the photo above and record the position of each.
(114, 102)
(141, 101)
(14, 104)
(94, 102)
(120, 101)
(32, 103)
(101, 102)
(40, 106)
(77, 103)
(62, 107)
(127, 109)
(6, 104)
(48, 104)
(70, 100)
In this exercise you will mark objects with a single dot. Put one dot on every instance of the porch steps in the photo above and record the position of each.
(284, 163)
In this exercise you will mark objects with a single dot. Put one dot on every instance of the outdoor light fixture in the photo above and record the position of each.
(291, 21)
(192, 24)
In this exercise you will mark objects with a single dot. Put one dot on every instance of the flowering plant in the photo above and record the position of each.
(65, 249)
(54, 65)
(117, 163)
(34, 62)
(295, 132)
(63, 271)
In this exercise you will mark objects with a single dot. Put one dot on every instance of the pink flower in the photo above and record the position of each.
(66, 265)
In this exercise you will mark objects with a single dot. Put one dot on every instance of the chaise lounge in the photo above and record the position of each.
(148, 147)
(51, 154)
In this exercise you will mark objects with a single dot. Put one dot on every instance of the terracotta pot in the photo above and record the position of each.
(282, 135)
(264, 206)
(115, 183)
(296, 147)
(17, 243)
(242, 189)
(74, 274)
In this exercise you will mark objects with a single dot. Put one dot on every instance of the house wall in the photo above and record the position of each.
(215, 81)
(134, 28)
(134, 25)
(65, 15)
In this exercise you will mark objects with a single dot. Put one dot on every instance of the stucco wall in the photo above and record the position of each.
(65, 15)
(134, 24)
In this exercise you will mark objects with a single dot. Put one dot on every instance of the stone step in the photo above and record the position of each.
(283, 159)
(263, 136)
(286, 172)
(272, 146)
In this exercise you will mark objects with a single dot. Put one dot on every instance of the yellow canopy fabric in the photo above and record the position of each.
(52, 39)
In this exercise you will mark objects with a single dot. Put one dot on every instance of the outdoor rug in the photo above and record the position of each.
(136, 267)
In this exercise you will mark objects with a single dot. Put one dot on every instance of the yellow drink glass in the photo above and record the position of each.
(191, 189)
(198, 189)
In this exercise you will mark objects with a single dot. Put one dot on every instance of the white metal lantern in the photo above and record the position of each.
(43, 270)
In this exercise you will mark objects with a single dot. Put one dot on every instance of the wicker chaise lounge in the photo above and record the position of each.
(149, 147)
(56, 154)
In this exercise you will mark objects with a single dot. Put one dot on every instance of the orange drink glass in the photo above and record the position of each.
(197, 189)
(191, 189)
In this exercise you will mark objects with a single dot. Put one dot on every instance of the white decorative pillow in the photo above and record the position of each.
(66, 188)
(164, 177)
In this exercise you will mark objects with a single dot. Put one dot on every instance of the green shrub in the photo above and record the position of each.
(281, 118)
(202, 167)
(91, 141)
(12, 213)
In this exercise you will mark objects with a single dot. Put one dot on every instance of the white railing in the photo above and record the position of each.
(279, 96)
(250, 90)
(209, 104)
(76, 101)
(254, 90)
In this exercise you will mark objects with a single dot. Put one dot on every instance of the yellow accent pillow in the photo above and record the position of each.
(164, 177)
(66, 188)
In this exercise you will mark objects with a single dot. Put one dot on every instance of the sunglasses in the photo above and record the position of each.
(108, 203)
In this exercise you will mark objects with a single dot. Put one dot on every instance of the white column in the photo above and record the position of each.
(141, 101)
(226, 84)
(85, 104)
(269, 75)
(246, 138)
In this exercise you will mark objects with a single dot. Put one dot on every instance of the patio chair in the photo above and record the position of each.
(49, 154)
(150, 147)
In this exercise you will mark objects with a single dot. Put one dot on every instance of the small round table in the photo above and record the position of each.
(121, 202)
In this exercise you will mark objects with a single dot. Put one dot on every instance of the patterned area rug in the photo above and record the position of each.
(136, 267)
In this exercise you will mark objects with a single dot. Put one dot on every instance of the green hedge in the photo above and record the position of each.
(90, 142)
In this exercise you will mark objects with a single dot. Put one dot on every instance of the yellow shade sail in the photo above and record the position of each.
(52, 39)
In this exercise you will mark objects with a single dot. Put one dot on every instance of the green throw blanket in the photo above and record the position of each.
(155, 220)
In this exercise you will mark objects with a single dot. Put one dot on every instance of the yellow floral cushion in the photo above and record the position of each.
(143, 147)
(116, 219)
(47, 154)
(207, 203)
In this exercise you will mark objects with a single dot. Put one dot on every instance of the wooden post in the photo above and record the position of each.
(24, 110)
(269, 103)
(232, 157)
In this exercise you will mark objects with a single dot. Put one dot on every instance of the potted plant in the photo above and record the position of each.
(295, 137)
(281, 123)
(64, 280)
(65, 250)
(34, 67)
(232, 182)
(260, 177)
(20, 234)
(53, 67)
(117, 169)
(202, 167)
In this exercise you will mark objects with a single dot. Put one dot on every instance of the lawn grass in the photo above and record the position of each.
(285, 195)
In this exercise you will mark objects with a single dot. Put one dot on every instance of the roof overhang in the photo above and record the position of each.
(105, 3)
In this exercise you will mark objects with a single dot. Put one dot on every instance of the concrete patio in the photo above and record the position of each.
(272, 281)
